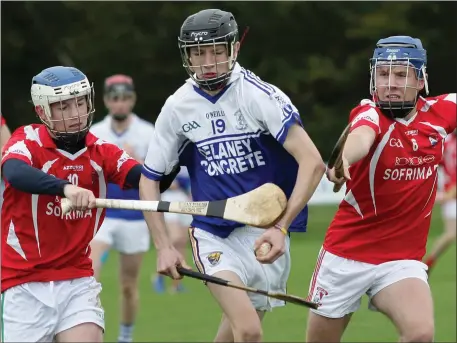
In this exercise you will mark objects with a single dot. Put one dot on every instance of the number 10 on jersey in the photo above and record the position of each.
(73, 178)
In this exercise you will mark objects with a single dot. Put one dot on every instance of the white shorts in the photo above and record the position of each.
(338, 284)
(449, 210)
(37, 311)
(235, 253)
(126, 236)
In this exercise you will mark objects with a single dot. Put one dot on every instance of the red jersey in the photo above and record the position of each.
(2, 121)
(449, 162)
(37, 243)
(386, 212)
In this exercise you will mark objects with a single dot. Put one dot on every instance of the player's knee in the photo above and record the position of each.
(129, 290)
(248, 331)
(249, 335)
(419, 333)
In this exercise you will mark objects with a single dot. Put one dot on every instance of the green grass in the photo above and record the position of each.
(194, 316)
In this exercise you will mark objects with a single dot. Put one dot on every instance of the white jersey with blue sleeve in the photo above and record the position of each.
(137, 136)
(230, 143)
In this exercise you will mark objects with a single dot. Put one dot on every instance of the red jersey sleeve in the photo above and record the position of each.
(365, 115)
(117, 163)
(19, 147)
(2, 121)
(445, 106)
(450, 111)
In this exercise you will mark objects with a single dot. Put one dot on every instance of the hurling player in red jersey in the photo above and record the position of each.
(48, 289)
(377, 239)
(448, 201)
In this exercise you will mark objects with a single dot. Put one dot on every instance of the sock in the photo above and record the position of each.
(104, 257)
(125, 333)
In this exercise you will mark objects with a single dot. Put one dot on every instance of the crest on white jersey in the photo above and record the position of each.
(241, 123)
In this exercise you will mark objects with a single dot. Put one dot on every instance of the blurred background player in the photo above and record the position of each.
(177, 226)
(124, 230)
(377, 239)
(233, 132)
(5, 132)
(447, 198)
(48, 289)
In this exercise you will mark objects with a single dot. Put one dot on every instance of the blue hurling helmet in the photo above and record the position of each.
(393, 52)
(60, 84)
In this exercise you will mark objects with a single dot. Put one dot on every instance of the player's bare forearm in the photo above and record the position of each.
(358, 144)
(149, 190)
(311, 168)
(308, 177)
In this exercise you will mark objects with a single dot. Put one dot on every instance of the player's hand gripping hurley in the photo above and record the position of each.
(261, 207)
(281, 296)
(336, 158)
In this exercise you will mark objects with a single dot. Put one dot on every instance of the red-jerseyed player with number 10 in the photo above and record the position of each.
(48, 291)
(376, 242)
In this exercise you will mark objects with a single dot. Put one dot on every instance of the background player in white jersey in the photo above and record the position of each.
(376, 242)
(177, 225)
(124, 230)
(447, 198)
(233, 132)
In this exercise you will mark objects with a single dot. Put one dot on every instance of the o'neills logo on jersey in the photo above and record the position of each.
(215, 114)
(230, 157)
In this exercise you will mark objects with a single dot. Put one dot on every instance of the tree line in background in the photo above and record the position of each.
(316, 52)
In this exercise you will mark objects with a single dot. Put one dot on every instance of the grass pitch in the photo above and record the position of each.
(193, 316)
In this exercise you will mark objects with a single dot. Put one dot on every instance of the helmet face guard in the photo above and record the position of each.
(398, 75)
(209, 28)
(64, 86)
(67, 134)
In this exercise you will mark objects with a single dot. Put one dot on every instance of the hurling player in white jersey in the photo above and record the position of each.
(233, 132)
(124, 230)
(177, 225)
